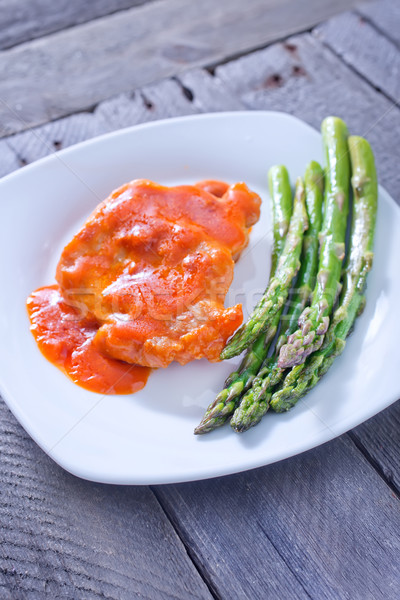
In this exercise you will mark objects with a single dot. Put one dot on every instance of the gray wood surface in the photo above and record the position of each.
(208, 93)
(169, 98)
(379, 440)
(325, 513)
(62, 537)
(360, 45)
(304, 78)
(8, 159)
(21, 20)
(324, 524)
(37, 143)
(75, 69)
(385, 15)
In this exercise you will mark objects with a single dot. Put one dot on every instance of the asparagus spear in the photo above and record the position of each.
(255, 402)
(314, 320)
(281, 194)
(274, 297)
(358, 265)
(314, 187)
(226, 401)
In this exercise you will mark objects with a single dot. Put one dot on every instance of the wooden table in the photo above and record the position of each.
(324, 524)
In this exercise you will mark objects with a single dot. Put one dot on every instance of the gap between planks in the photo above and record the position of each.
(365, 50)
(191, 554)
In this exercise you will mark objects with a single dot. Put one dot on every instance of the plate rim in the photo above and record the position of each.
(59, 154)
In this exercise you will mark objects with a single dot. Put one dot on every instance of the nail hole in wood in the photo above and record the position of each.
(273, 81)
(187, 93)
(292, 48)
(148, 104)
(298, 70)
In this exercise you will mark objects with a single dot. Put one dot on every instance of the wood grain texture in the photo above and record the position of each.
(163, 100)
(168, 98)
(384, 14)
(326, 513)
(208, 93)
(153, 102)
(42, 141)
(366, 50)
(77, 68)
(379, 439)
(302, 77)
(21, 21)
(8, 159)
(62, 537)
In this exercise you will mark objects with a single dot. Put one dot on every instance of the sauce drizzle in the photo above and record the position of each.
(65, 338)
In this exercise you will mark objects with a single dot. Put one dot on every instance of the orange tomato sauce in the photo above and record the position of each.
(65, 338)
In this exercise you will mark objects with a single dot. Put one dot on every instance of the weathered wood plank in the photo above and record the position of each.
(77, 68)
(302, 77)
(208, 93)
(326, 513)
(165, 99)
(21, 21)
(379, 439)
(8, 159)
(362, 47)
(157, 101)
(385, 14)
(41, 141)
(62, 537)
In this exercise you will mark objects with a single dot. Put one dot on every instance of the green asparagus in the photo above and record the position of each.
(275, 296)
(314, 320)
(314, 188)
(226, 401)
(281, 193)
(358, 265)
(255, 402)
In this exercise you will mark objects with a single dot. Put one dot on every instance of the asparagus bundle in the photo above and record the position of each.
(314, 320)
(274, 298)
(226, 401)
(255, 402)
(358, 264)
(310, 341)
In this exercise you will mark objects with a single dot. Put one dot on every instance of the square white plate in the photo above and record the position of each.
(147, 438)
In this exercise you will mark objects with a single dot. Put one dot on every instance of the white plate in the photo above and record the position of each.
(147, 438)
